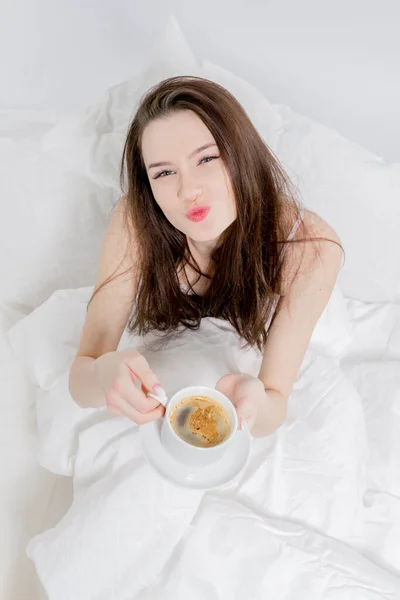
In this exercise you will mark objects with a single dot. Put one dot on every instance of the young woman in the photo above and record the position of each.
(207, 226)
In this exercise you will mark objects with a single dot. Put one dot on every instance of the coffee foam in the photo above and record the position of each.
(201, 421)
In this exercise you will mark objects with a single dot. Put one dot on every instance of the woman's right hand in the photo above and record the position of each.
(119, 374)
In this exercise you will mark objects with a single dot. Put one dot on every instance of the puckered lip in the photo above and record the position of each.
(198, 212)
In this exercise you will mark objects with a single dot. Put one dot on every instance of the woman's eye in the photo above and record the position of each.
(208, 158)
(162, 174)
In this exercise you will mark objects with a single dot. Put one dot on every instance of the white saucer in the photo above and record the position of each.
(220, 473)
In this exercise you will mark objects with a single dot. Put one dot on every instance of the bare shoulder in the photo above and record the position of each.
(327, 238)
(115, 288)
(318, 226)
(316, 249)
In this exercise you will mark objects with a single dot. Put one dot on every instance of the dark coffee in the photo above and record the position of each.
(201, 421)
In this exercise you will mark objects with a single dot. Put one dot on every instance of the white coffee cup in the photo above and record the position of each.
(182, 451)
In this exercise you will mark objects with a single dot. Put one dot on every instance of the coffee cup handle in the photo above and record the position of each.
(162, 399)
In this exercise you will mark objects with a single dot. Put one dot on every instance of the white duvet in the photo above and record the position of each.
(315, 515)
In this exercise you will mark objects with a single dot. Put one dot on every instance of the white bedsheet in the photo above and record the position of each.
(31, 498)
(314, 515)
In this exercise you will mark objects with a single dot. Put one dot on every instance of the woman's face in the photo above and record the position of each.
(191, 185)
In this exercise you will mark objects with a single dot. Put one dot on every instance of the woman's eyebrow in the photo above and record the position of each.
(197, 151)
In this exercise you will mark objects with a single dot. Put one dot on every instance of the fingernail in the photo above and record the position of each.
(159, 390)
(242, 423)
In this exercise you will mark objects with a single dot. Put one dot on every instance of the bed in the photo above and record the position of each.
(316, 513)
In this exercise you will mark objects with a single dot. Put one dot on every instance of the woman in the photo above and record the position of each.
(207, 226)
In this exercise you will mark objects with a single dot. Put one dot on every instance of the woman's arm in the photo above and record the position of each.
(107, 314)
(262, 400)
(301, 305)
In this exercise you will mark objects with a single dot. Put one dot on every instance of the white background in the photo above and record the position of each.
(337, 61)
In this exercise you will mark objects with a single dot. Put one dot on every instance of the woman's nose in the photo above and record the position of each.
(189, 190)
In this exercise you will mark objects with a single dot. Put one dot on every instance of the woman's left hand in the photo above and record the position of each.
(246, 393)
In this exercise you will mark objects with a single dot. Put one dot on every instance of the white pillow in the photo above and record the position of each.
(59, 192)
(358, 194)
(352, 189)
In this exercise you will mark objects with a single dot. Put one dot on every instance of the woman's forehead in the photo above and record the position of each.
(174, 136)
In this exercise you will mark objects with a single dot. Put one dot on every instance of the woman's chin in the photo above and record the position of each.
(205, 232)
(204, 236)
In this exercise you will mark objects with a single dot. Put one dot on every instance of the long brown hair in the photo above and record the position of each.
(245, 266)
